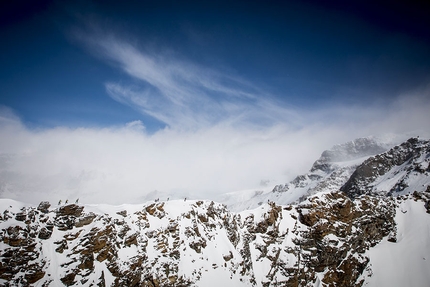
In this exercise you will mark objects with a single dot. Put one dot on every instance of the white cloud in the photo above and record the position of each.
(223, 135)
(125, 164)
(117, 165)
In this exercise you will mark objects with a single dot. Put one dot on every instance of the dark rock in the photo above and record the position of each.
(21, 216)
(45, 233)
(102, 282)
(16, 236)
(62, 245)
(34, 275)
(44, 206)
(64, 223)
(69, 279)
(228, 257)
(156, 209)
(85, 220)
(122, 213)
(131, 240)
(71, 209)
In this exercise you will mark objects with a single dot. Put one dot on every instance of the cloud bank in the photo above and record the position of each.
(221, 134)
(126, 164)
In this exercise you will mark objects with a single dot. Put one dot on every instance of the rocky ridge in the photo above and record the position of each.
(403, 169)
(329, 173)
(332, 169)
(175, 243)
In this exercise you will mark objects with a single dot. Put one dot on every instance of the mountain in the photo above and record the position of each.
(401, 170)
(359, 234)
(329, 173)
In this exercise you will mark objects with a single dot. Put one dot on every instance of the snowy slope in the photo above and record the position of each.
(407, 261)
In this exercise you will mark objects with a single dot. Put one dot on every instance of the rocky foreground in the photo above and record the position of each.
(322, 241)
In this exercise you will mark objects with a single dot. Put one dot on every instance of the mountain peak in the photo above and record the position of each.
(402, 169)
(348, 151)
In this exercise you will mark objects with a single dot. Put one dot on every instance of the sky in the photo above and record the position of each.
(117, 102)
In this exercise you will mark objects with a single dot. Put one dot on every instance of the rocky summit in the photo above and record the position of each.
(403, 169)
(371, 231)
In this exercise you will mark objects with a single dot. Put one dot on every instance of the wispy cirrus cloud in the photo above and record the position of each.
(184, 95)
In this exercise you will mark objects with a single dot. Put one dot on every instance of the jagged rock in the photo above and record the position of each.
(16, 236)
(329, 173)
(360, 147)
(131, 240)
(61, 246)
(102, 282)
(69, 279)
(64, 223)
(156, 209)
(45, 233)
(34, 275)
(123, 213)
(44, 206)
(71, 209)
(407, 157)
(87, 262)
(198, 245)
(85, 220)
(228, 257)
(21, 216)
(330, 236)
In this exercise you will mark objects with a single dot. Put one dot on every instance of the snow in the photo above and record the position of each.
(218, 277)
(406, 262)
(12, 205)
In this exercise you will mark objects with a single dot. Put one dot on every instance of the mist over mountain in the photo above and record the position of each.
(328, 173)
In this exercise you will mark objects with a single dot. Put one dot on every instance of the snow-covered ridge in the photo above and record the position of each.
(403, 169)
(329, 173)
(323, 240)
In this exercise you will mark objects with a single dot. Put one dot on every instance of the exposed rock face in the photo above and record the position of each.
(341, 230)
(394, 172)
(176, 244)
(330, 171)
(357, 148)
(44, 206)
(70, 210)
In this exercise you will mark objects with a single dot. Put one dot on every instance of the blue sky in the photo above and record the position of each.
(205, 87)
(299, 54)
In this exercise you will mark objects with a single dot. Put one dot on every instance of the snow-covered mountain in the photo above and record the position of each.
(329, 173)
(361, 235)
(403, 169)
